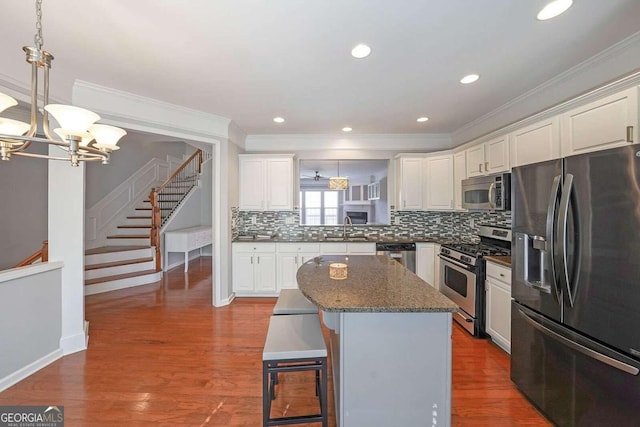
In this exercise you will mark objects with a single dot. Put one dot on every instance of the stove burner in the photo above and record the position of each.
(478, 250)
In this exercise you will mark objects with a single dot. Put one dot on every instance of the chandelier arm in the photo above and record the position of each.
(82, 151)
(82, 157)
(34, 100)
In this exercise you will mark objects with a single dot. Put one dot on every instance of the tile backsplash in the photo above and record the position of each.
(286, 224)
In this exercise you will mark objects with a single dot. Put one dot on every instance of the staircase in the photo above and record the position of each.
(132, 256)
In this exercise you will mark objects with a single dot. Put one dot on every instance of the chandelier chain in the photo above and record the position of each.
(38, 36)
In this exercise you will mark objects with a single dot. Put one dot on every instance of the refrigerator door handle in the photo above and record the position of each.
(624, 367)
(551, 235)
(568, 201)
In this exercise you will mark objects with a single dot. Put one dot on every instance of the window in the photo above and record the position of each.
(319, 207)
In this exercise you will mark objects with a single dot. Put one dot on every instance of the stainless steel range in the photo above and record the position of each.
(462, 274)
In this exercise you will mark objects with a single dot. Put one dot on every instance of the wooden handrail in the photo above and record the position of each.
(156, 214)
(42, 253)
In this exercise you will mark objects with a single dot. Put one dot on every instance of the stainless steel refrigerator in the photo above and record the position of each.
(575, 319)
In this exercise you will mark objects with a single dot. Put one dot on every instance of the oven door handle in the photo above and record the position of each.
(454, 262)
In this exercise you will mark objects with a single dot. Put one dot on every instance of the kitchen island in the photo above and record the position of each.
(390, 340)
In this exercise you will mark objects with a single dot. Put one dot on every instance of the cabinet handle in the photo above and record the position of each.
(251, 259)
(258, 259)
(479, 167)
(404, 203)
(629, 133)
(486, 166)
(296, 259)
(501, 274)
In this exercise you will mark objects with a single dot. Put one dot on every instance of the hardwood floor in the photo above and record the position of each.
(161, 355)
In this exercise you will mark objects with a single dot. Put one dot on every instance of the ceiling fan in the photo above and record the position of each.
(316, 177)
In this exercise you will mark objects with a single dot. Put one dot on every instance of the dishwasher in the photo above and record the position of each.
(404, 253)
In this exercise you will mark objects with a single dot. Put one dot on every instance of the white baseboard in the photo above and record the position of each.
(227, 301)
(31, 368)
(74, 343)
(130, 282)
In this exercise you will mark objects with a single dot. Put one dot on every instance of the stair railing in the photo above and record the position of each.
(165, 198)
(41, 254)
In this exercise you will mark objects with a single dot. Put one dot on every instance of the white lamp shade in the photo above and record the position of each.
(107, 136)
(72, 120)
(83, 143)
(13, 127)
(338, 183)
(6, 101)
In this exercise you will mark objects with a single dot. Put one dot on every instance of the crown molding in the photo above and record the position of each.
(370, 142)
(22, 90)
(568, 89)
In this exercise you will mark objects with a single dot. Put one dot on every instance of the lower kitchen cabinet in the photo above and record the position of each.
(426, 254)
(254, 269)
(290, 257)
(498, 305)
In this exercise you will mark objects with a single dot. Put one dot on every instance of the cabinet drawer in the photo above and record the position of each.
(254, 247)
(333, 248)
(499, 272)
(298, 247)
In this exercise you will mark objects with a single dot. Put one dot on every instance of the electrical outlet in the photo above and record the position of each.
(438, 220)
(472, 223)
(254, 220)
(289, 220)
(397, 220)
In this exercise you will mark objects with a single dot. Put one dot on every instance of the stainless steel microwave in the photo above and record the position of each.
(491, 192)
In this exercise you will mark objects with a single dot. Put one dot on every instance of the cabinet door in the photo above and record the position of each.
(252, 173)
(459, 173)
(499, 314)
(361, 248)
(496, 155)
(475, 160)
(279, 184)
(265, 272)
(243, 272)
(439, 182)
(601, 124)
(425, 267)
(287, 269)
(410, 183)
(536, 143)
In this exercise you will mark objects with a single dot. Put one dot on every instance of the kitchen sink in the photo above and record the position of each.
(334, 239)
(357, 239)
(348, 239)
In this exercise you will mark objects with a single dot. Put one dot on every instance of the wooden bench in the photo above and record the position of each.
(294, 343)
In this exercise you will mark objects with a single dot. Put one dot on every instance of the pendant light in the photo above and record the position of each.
(338, 182)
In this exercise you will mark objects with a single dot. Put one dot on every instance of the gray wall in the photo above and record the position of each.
(135, 151)
(23, 198)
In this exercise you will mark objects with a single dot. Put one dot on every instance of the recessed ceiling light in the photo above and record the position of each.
(278, 119)
(346, 129)
(360, 51)
(553, 9)
(469, 79)
(422, 119)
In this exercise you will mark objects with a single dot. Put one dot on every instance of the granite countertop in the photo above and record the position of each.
(504, 260)
(373, 284)
(399, 239)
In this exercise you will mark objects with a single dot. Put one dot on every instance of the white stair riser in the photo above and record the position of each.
(122, 283)
(133, 231)
(138, 221)
(119, 269)
(129, 242)
(119, 256)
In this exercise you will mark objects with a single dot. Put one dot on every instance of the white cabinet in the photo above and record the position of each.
(409, 183)
(254, 268)
(373, 190)
(459, 174)
(438, 184)
(536, 143)
(608, 122)
(425, 262)
(489, 157)
(266, 182)
(348, 248)
(357, 194)
(498, 305)
(186, 240)
(290, 257)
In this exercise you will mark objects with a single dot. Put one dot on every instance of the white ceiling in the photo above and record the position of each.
(253, 60)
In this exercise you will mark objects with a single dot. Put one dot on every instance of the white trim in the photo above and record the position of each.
(29, 270)
(74, 343)
(370, 142)
(129, 282)
(227, 301)
(30, 369)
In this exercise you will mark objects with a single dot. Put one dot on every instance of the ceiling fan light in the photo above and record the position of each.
(72, 120)
(6, 101)
(13, 127)
(107, 136)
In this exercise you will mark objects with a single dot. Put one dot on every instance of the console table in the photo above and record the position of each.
(186, 240)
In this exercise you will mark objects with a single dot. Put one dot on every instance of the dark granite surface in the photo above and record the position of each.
(399, 239)
(504, 260)
(373, 284)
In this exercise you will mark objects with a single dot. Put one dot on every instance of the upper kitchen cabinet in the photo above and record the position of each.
(357, 194)
(536, 143)
(438, 185)
(266, 182)
(459, 173)
(608, 122)
(410, 179)
(489, 157)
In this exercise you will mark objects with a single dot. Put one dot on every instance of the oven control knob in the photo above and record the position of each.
(465, 259)
(446, 251)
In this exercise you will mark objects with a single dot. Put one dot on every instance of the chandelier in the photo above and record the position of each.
(78, 135)
(338, 182)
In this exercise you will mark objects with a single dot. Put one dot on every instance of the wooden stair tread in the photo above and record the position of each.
(129, 236)
(109, 249)
(134, 226)
(117, 277)
(139, 217)
(117, 263)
